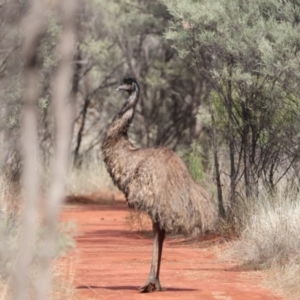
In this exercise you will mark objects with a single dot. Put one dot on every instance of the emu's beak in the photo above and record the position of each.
(122, 87)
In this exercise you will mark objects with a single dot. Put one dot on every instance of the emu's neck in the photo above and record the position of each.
(121, 122)
(116, 146)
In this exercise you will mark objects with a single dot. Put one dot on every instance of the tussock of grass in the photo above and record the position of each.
(286, 279)
(270, 234)
(269, 238)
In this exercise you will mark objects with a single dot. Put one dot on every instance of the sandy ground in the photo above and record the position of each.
(112, 262)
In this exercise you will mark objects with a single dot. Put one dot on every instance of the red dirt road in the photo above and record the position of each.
(113, 262)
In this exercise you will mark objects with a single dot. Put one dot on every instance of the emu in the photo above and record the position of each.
(154, 180)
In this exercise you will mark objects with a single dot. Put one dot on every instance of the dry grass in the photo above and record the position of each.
(91, 184)
(63, 275)
(89, 178)
(285, 279)
(62, 272)
(269, 239)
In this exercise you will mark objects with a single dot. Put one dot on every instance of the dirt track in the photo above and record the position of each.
(113, 262)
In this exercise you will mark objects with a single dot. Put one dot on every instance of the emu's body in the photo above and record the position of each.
(156, 181)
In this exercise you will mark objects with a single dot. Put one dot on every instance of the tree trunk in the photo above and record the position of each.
(216, 163)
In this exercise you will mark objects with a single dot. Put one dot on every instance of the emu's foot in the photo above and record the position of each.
(152, 285)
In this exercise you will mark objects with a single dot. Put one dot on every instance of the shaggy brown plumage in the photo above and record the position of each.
(156, 181)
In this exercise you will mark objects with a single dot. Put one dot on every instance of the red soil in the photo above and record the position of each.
(113, 262)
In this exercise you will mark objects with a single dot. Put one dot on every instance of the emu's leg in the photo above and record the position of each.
(153, 283)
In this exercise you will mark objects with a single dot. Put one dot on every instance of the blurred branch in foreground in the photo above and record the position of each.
(34, 25)
(64, 115)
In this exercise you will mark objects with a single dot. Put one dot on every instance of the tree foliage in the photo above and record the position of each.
(127, 39)
(249, 53)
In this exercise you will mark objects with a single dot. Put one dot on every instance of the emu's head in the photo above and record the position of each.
(129, 85)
